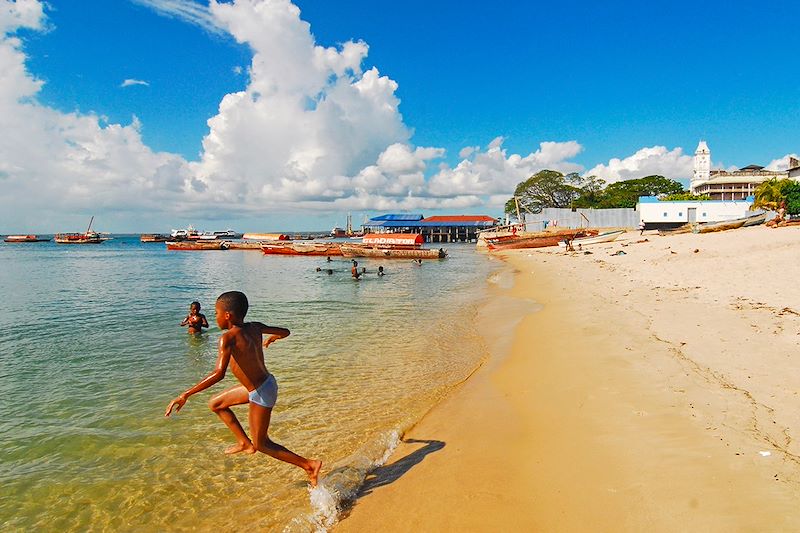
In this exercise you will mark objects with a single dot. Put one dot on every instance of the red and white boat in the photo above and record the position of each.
(24, 238)
(392, 246)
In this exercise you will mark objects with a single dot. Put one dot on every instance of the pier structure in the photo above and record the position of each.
(446, 228)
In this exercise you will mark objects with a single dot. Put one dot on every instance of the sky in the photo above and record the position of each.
(268, 115)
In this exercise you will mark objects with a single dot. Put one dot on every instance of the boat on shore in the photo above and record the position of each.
(197, 245)
(596, 239)
(87, 237)
(266, 236)
(153, 237)
(540, 239)
(301, 248)
(712, 227)
(25, 238)
(755, 220)
(391, 246)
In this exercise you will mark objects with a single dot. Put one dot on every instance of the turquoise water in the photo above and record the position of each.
(91, 353)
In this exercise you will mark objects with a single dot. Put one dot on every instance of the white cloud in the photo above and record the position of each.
(781, 163)
(132, 81)
(659, 160)
(185, 10)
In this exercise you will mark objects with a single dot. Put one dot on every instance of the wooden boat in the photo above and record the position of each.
(711, 227)
(87, 237)
(382, 252)
(301, 248)
(197, 245)
(541, 239)
(597, 239)
(24, 238)
(153, 237)
(755, 220)
(244, 245)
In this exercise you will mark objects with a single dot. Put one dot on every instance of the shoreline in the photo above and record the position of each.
(638, 397)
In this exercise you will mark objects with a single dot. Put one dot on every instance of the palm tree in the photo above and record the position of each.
(770, 194)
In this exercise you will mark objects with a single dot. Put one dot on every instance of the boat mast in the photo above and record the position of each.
(90, 224)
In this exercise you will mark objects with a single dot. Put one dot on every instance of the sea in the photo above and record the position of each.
(91, 353)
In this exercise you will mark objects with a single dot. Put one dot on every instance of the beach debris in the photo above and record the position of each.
(587, 252)
(764, 453)
(619, 252)
(696, 250)
(673, 252)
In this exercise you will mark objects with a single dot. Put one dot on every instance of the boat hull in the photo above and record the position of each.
(597, 239)
(719, 226)
(540, 241)
(362, 250)
(24, 238)
(310, 249)
(190, 246)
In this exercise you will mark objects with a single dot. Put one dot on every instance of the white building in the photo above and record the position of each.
(725, 184)
(657, 214)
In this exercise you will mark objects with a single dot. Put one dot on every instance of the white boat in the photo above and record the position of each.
(597, 239)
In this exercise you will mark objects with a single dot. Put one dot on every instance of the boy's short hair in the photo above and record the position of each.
(234, 302)
(195, 303)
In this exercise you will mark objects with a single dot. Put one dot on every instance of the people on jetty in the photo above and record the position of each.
(242, 344)
(195, 319)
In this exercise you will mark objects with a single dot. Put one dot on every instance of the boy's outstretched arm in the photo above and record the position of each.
(185, 321)
(274, 333)
(225, 350)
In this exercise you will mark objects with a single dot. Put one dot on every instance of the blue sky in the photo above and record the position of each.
(613, 77)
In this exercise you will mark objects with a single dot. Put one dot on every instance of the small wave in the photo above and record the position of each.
(339, 487)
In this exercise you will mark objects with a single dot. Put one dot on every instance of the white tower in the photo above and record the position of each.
(702, 166)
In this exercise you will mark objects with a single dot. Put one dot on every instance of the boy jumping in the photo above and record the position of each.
(240, 346)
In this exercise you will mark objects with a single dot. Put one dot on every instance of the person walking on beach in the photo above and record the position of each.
(641, 227)
(241, 347)
(195, 319)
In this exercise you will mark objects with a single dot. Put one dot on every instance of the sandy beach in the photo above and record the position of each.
(652, 390)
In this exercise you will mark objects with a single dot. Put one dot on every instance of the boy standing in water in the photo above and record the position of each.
(195, 319)
(240, 346)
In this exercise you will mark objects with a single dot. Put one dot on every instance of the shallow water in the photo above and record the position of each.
(91, 353)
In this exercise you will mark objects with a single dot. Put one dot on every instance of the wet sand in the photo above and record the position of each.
(654, 390)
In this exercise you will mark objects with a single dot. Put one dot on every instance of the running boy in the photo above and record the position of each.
(195, 319)
(240, 346)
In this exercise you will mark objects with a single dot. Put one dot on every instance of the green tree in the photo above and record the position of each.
(771, 193)
(546, 188)
(626, 193)
(792, 192)
(591, 192)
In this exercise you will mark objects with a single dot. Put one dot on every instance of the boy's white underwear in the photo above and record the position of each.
(266, 394)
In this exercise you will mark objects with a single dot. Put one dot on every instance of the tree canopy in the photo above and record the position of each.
(773, 193)
(550, 188)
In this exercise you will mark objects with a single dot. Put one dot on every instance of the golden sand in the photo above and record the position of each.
(656, 390)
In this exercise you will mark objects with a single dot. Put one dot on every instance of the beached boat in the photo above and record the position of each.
(197, 245)
(153, 237)
(711, 227)
(25, 238)
(244, 245)
(87, 237)
(755, 220)
(596, 239)
(541, 239)
(391, 246)
(301, 248)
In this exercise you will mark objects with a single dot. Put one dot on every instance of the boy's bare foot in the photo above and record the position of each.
(313, 474)
(239, 448)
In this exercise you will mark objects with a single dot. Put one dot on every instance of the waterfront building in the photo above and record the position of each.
(448, 228)
(657, 214)
(728, 185)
